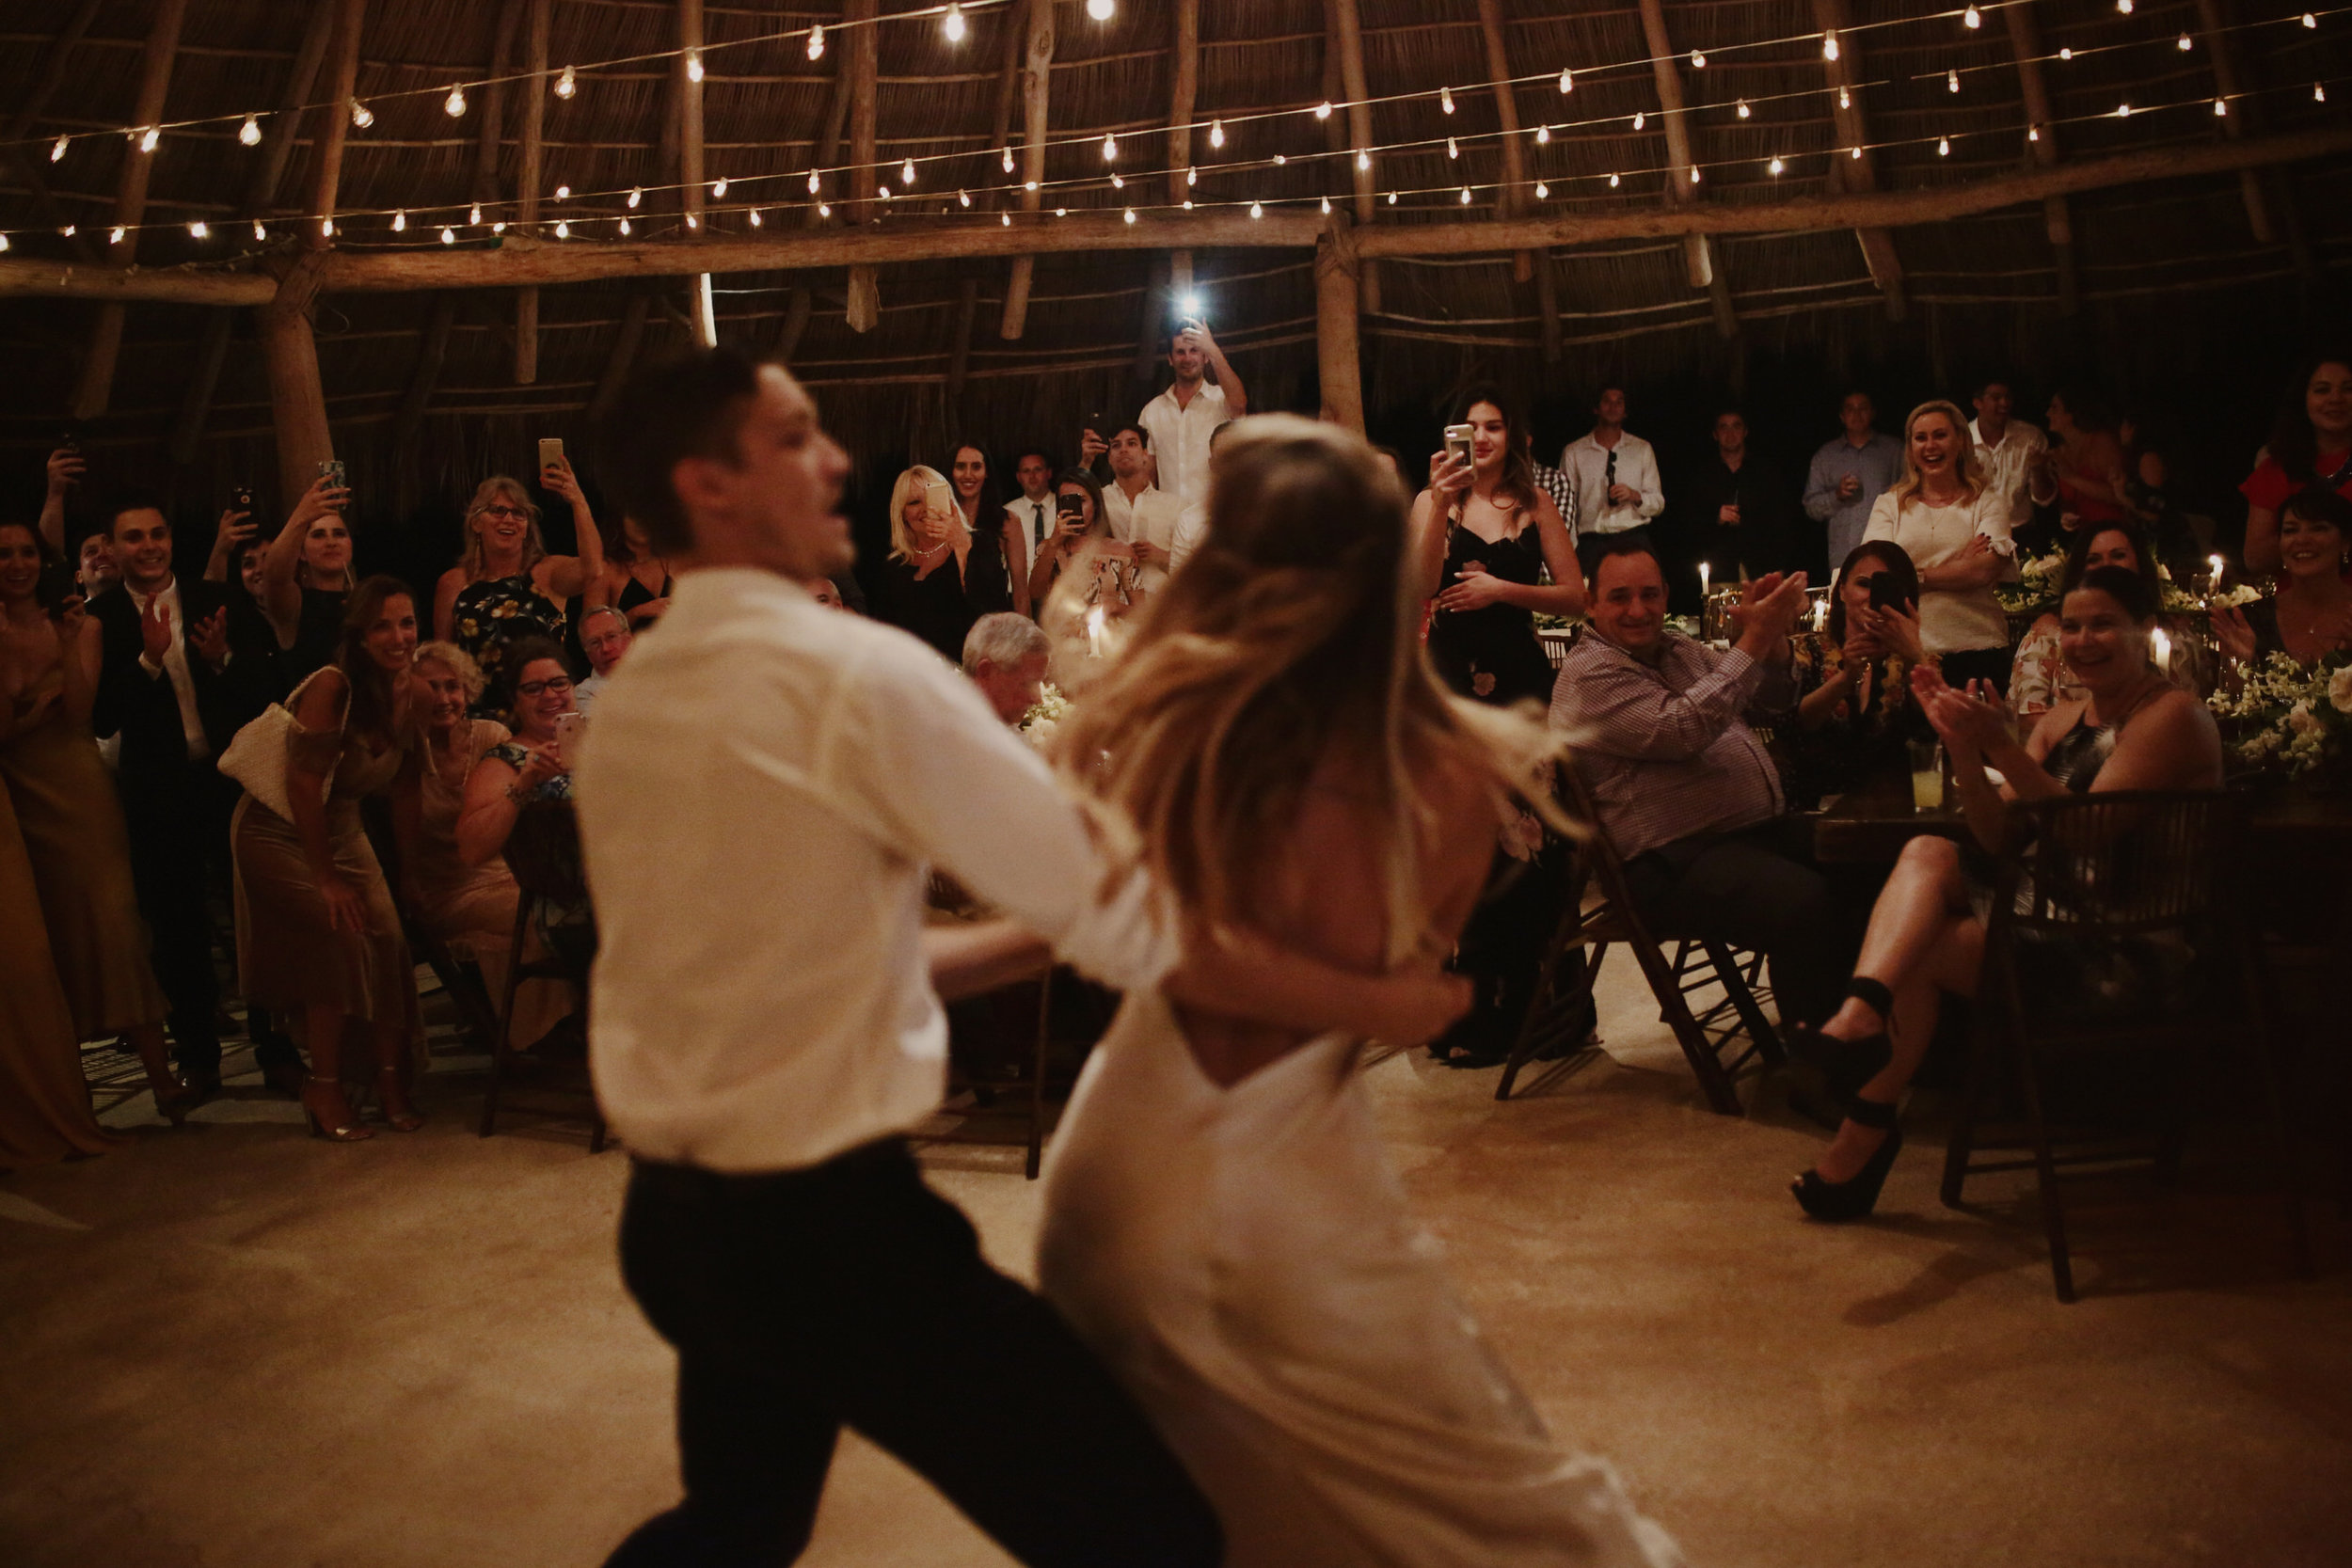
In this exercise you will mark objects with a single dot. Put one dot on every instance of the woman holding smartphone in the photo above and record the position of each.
(1084, 580)
(942, 574)
(1855, 708)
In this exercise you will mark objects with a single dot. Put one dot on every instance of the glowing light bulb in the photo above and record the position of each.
(1695, 174)
(499, 228)
(2187, 43)
(1742, 109)
(2221, 109)
(1698, 61)
(718, 188)
(906, 172)
(1972, 18)
(2319, 93)
(816, 40)
(563, 192)
(2066, 53)
(693, 65)
(824, 210)
(250, 132)
(754, 216)
(448, 236)
(1327, 206)
(952, 23)
(1612, 181)
(1131, 214)
(2123, 6)
(1844, 99)
(1322, 110)
(1110, 148)
(1855, 154)
(883, 190)
(1006, 158)
(473, 213)
(326, 230)
(563, 230)
(1450, 149)
(1007, 216)
(1466, 195)
(693, 222)
(69, 230)
(2123, 111)
(1187, 204)
(1829, 46)
(1445, 99)
(454, 105)
(1775, 165)
(1256, 211)
(1543, 134)
(2309, 20)
(2033, 132)
(1951, 80)
(813, 183)
(1216, 133)
(57, 149)
(1061, 211)
(197, 230)
(963, 198)
(1099, 10)
(259, 231)
(1029, 186)
(1640, 118)
(1542, 190)
(1392, 198)
(148, 139)
(567, 84)
(1192, 177)
(1117, 183)
(400, 222)
(625, 228)
(1567, 82)
(4, 243)
(361, 115)
(636, 194)
(1364, 161)
(1942, 147)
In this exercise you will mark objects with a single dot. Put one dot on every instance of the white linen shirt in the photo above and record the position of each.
(175, 664)
(1951, 620)
(1180, 439)
(760, 794)
(1152, 517)
(2007, 466)
(1586, 462)
(1023, 512)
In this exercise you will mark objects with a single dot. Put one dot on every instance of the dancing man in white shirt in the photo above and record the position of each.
(1183, 419)
(800, 772)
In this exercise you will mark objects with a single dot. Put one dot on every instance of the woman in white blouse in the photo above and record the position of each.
(1957, 530)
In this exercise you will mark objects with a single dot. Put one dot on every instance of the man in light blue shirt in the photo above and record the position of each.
(1849, 474)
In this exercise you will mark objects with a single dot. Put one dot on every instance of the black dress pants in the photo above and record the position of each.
(1758, 889)
(170, 830)
(850, 1294)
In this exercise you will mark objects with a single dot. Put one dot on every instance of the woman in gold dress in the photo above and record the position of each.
(318, 936)
(70, 826)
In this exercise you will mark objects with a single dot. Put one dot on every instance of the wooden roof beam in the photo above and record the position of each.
(1854, 133)
(327, 150)
(1514, 198)
(269, 168)
(528, 179)
(1698, 257)
(1344, 26)
(2057, 220)
(1037, 74)
(95, 384)
(689, 157)
(1184, 79)
(19, 125)
(2220, 51)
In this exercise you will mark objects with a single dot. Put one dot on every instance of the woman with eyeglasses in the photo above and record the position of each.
(525, 769)
(506, 586)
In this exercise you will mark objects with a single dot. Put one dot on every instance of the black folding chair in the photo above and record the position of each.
(543, 852)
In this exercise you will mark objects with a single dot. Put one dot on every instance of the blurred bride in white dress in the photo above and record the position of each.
(1222, 1226)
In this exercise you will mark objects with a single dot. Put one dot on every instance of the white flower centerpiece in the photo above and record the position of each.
(1045, 716)
(2286, 718)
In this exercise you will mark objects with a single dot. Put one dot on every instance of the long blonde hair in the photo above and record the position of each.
(494, 488)
(1290, 630)
(1963, 457)
(905, 494)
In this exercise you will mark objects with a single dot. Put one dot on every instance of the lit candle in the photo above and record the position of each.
(2217, 565)
(1703, 570)
(2161, 646)
(1094, 632)
(1820, 613)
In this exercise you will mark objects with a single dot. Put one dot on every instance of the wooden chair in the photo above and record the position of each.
(1564, 984)
(2108, 883)
(543, 852)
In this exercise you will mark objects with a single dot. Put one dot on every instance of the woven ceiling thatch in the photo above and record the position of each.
(2168, 277)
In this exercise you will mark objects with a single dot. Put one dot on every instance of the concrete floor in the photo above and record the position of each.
(235, 1345)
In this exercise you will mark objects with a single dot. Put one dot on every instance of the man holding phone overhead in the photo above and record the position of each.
(1181, 419)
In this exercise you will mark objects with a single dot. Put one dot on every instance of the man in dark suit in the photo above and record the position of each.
(162, 645)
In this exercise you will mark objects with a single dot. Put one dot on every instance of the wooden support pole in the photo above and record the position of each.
(1859, 174)
(1515, 201)
(960, 352)
(297, 399)
(2041, 146)
(327, 148)
(432, 350)
(195, 403)
(2220, 50)
(95, 386)
(285, 126)
(625, 343)
(490, 112)
(528, 178)
(1698, 256)
(801, 303)
(1183, 74)
(865, 172)
(1337, 357)
(690, 158)
(19, 125)
(1036, 77)
(1344, 24)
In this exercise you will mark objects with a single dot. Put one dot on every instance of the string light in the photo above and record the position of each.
(1466, 195)
(1856, 154)
(816, 41)
(1698, 61)
(1951, 79)
(1695, 174)
(824, 210)
(400, 222)
(1845, 100)
(1942, 147)
(563, 192)
(1192, 177)
(1029, 186)
(2221, 109)
(1567, 83)
(250, 132)
(1445, 99)
(147, 138)
(2319, 93)
(499, 228)
(636, 196)
(473, 215)
(1110, 146)
(1775, 165)
(1007, 216)
(1131, 214)
(454, 105)
(1639, 117)
(952, 23)
(1005, 158)
(2187, 43)
(2033, 132)
(2309, 20)
(361, 115)
(693, 65)
(2123, 111)
(1061, 211)
(691, 221)
(259, 233)
(754, 216)
(1829, 46)
(567, 84)
(1450, 149)
(1216, 133)
(813, 183)
(883, 190)
(563, 230)
(197, 230)
(4, 243)
(906, 172)
(1972, 18)
(1743, 109)
(1327, 206)
(2065, 54)
(326, 230)
(1099, 10)
(1364, 162)
(1542, 190)
(1322, 110)
(718, 188)
(56, 151)
(1117, 183)
(1187, 204)
(625, 228)
(69, 230)
(2123, 6)
(1543, 134)
(1612, 180)
(1256, 211)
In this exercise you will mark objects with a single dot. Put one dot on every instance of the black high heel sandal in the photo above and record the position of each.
(1855, 1197)
(1846, 1064)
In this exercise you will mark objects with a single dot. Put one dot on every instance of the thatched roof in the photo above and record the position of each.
(2170, 275)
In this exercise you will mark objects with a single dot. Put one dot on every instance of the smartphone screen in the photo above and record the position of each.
(1458, 440)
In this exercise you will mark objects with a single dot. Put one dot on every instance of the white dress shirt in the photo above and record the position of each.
(762, 791)
(1587, 461)
(1024, 514)
(2007, 466)
(1192, 526)
(1951, 620)
(1180, 439)
(175, 663)
(1152, 517)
